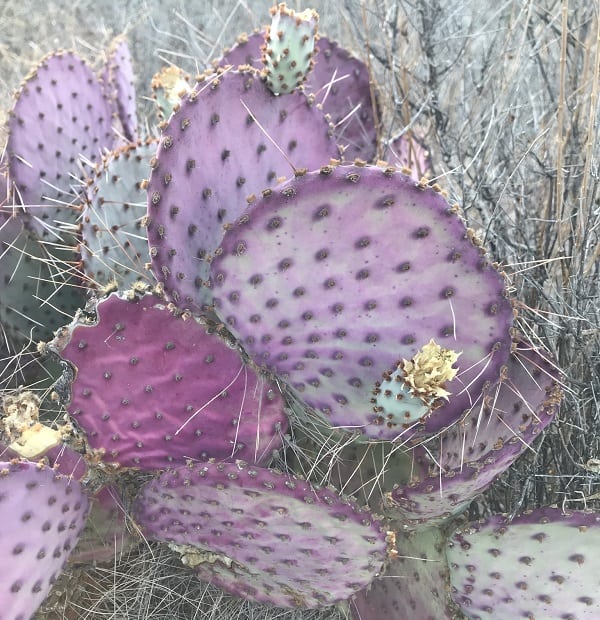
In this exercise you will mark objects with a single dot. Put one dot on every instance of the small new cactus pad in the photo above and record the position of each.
(39, 293)
(415, 583)
(337, 279)
(119, 87)
(279, 540)
(169, 86)
(60, 119)
(151, 389)
(542, 564)
(115, 244)
(230, 139)
(42, 515)
(339, 81)
(473, 453)
(289, 48)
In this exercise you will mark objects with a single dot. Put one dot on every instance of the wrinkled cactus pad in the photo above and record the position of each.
(277, 539)
(337, 278)
(415, 584)
(60, 119)
(542, 564)
(230, 139)
(473, 453)
(114, 241)
(42, 514)
(151, 389)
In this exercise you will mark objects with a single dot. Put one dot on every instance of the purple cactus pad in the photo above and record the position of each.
(339, 82)
(333, 277)
(280, 540)
(473, 453)
(119, 87)
(60, 119)
(410, 153)
(152, 389)
(542, 564)
(229, 140)
(42, 516)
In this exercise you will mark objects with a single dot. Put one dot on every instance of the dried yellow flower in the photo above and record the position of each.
(428, 371)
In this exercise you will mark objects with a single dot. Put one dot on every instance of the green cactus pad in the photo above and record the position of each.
(40, 291)
(415, 583)
(289, 48)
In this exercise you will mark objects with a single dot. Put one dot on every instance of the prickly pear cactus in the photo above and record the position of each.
(539, 565)
(151, 389)
(42, 516)
(273, 538)
(335, 276)
(347, 296)
(289, 48)
(255, 139)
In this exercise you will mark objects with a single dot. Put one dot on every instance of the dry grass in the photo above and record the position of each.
(505, 93)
